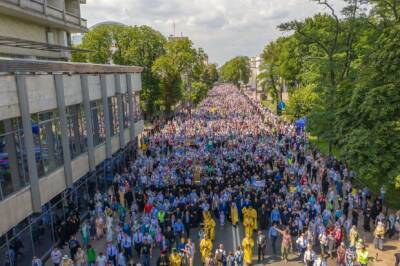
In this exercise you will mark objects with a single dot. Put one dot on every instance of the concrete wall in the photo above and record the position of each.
(21, 29)
(42, 97)
(15, 209)
(110, 85)
(80, 166)
(100, 154)
(18, 28)
(9, 99)
(94, 87)
(72, 89)
(115, 144)
(136, 81)
(122, 88)
(41, 93)
(127, 135)
(52, 185)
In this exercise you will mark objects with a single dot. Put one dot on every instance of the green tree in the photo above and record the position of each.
(212, 74)
(170, 81)
(100, 40)
(346, 82)
(301, 102)
(79, 56)
(142, 45)
(198, 91)
(236, 70)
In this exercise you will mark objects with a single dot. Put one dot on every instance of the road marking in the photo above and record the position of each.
(234, 238)
(238, 236)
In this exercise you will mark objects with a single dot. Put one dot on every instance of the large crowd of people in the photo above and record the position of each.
(228, 161)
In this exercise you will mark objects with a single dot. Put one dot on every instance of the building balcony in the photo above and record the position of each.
(42, 12)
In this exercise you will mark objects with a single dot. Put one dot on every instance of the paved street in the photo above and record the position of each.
(231, 237)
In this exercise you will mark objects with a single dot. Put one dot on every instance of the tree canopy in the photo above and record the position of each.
(169, 66)
(341, 70)
(236, 70)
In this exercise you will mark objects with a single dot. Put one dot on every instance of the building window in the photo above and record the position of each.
(76, 130)
(137, 110)
(99, 128)
(13, 168)
(125, 110)
(47, 140)
(113, 109)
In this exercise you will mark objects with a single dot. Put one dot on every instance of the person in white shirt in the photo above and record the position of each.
(101, 260)
(121, 259)
(309, 256)
(36, 261)
(56, 257)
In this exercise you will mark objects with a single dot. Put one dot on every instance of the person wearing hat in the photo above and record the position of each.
(253, 214)
(350, 256)
(261, 245)
(247, 245)
(56, 256)
(234, 214)
(341, 254)
(66, 261)
(163, 260)
(101, 259)
(36, 261)
(379, 234)
(362, 256)
(175, 259)
(205, 247)
(353, 236)
(309, 256)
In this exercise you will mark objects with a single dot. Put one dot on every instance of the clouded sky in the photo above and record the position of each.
(224, 28)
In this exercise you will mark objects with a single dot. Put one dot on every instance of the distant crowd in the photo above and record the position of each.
(230, 161)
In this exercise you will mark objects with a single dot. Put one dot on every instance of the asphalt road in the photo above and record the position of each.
(228, 235)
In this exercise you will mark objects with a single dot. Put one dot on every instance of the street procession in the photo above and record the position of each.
(229, 163)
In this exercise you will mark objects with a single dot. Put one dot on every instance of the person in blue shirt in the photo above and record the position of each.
(273, 235)
(178, 228)
(275, 216)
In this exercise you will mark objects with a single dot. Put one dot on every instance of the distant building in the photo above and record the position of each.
(172, 37)
(76, 38)
(255, 63)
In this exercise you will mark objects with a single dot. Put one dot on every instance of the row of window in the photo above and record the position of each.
(46, 131)
(38, 234)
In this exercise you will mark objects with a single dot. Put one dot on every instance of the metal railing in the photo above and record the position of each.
(42, 7)
(38, 66)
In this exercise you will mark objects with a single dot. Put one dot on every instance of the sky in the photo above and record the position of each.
(223, 28)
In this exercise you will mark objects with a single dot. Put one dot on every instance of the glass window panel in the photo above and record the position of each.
(47, 141)
(113, 109)
(57, 216)
(99, 131)
(137, 109)
(22, 246)
(42, 234)
(77, 135)
(5, 253)
(126, 110)
(12, 170)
